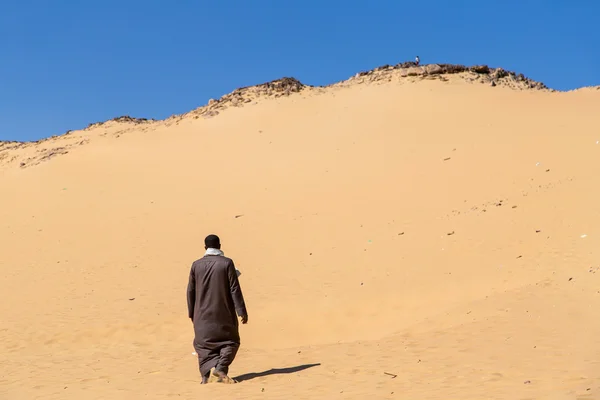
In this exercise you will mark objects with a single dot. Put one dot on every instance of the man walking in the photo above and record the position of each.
(214, 296)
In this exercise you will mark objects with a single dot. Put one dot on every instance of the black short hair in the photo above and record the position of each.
(212, 241)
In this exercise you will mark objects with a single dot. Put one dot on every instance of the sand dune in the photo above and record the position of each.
(398, 236)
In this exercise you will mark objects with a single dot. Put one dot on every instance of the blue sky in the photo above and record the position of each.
(65, 64)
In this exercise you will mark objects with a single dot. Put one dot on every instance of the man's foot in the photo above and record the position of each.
(212, 377)
(222, 377)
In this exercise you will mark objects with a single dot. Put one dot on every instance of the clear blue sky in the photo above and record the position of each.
(66, 63)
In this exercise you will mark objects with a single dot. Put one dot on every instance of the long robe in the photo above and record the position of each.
(214, 297)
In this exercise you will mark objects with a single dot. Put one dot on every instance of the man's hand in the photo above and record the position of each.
(244, 319)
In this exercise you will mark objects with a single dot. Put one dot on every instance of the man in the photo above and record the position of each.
(417, 61)
(214, 296)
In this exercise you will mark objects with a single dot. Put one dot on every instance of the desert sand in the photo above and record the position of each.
(411, 237)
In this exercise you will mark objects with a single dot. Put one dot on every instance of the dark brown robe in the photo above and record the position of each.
(214, 296)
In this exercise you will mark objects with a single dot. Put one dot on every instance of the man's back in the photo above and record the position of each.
(214, 296)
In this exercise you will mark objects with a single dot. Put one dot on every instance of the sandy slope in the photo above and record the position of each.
(429, 230)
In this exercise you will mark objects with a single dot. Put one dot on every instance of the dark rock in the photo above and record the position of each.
(480, 69)
(499, 73)
(407, 64)
(453, 69)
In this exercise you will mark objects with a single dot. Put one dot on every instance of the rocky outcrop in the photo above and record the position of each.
(27, 154)
(482, 73)
(287, 86)
(5, 151)
(277, 88)
(122, 119)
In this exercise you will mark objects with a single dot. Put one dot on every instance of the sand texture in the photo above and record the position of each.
(400, 236)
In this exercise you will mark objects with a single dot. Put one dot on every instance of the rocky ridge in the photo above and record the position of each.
(387, 73)
(476, 73)
(125, 119)
(25, 155)
(274, 89)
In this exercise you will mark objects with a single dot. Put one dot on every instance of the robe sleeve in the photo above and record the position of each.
(236, 290)
(191, 292)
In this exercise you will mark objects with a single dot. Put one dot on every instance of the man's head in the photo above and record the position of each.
(212, 242)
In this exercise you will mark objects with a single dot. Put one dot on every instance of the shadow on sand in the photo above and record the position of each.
(274, 371)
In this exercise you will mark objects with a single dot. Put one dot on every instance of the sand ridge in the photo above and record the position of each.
(404, 239)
